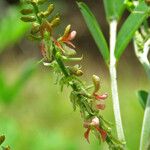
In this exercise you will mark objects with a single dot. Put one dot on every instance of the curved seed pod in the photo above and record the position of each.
(55, 22)
(96, 82)
(47, 12)
(2, 139)
(28, 18)
(26, 11)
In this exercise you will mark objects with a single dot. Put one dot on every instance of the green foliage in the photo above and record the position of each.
(11, 29)
(114, 9)
(95, 30)
(127, 31)
(7, 92)
(143, 95)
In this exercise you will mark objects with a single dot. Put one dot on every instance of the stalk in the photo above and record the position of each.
(113, 75)
(145, 133)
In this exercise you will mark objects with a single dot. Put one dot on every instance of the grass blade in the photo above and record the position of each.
(114, 9)
(95, 30)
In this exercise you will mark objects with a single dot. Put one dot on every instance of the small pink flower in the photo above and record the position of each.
(69, 38)
(94, 123)
(100, 97)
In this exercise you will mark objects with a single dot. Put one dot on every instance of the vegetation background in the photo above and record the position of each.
(34, 114)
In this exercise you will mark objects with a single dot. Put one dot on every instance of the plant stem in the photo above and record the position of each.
(113, 75)
(145, 133)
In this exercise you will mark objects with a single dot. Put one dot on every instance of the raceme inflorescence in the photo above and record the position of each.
(56, 51)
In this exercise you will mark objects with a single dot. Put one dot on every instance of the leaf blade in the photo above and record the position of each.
(114, 9)
(95, 30)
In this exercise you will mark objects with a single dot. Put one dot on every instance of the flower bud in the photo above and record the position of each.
(40, 2)
(28, 18)
(47, 12)
(96, 82)
(55, 22)
(26, 11)
(35, 28)
(76, 70)
(2, 139)
(67, 31)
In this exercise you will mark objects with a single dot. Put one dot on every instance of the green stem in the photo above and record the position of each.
(145, 133)
(113, 75)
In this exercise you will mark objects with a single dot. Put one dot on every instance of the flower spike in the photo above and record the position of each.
(56, 52)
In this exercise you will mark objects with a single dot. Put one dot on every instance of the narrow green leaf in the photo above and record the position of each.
(143, 95)
(114, 9)
(128, 29)
(95, 30)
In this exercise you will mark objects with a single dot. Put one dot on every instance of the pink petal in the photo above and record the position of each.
(86, 135)
(100, 106)
(103, 133)
(72, 35)
(101, 97)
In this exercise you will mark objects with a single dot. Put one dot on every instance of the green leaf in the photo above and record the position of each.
(114, 9)
(95, 30)
(143, 95)
(130, 26)
(11, 28)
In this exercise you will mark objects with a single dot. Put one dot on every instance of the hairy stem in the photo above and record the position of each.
(113, 75)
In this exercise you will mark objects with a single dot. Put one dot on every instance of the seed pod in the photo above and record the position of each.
(2, 139)
(35, 28)
(28, 18)
(96, 82)
(55, 22)
(26, 11)
(47, 12)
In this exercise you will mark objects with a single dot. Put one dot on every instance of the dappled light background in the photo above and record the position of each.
(34, 114)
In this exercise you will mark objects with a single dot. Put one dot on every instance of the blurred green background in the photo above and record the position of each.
(34, 114)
